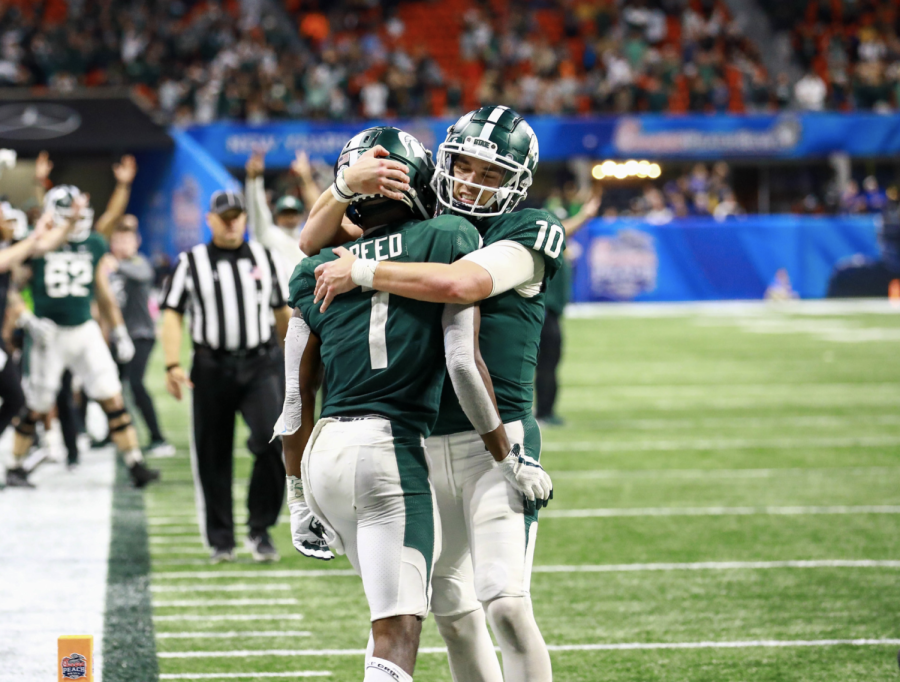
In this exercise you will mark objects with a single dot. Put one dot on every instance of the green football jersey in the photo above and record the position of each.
(511, 323)
(384, 354)
(62, 282)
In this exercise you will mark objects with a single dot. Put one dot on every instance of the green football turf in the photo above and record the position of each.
(758, 437)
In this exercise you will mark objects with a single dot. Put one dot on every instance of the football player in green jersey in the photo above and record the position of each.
(484, 169)
(358, 480)
(64, 284)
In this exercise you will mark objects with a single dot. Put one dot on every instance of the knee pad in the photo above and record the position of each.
(27, 423)
(119, 420)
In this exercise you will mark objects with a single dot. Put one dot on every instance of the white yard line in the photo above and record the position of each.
(229, 617)
(688, 445)
(624, 646)
(54, 545)
(242, 676)
(226, 602)
(275, 587)
(868, 306)
(723, 473)
(763, 422)
(717, 566)
(574, 568)
(230, 635)
(716, 511)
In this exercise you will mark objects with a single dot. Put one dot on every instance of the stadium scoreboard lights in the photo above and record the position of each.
(619, 170)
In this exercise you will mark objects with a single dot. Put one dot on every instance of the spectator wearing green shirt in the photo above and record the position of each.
(558, 291)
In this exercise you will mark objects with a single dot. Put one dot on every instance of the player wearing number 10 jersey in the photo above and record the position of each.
(363, 483)
(65, 282)
(483, 170)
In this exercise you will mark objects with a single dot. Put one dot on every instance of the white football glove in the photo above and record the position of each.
(124, 344)
(307, 532)
(41, 330)
(527, 476)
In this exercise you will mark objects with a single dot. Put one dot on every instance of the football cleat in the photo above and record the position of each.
(18, 478)
(221, 555)
(160, 448)
(262, 549)
(141, 475)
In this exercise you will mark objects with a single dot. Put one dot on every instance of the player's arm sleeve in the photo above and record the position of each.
(510, 264)
(459, 348)
(294, 346)
(259, 217)
(175, 296)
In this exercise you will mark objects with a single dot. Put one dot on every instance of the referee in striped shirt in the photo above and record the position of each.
(235, 292)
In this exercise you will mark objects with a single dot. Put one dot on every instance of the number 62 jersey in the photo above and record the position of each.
(62, 281)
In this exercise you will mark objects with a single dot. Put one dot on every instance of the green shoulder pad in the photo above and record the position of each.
(452, 235)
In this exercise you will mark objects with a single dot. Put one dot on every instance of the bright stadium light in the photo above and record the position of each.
(627, 169)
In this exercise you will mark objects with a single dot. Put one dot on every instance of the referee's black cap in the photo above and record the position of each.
(226, 200)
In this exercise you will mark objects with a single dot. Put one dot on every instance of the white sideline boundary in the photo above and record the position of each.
(230, 635)
(623, 646)
(571, 568)
(229, 617)
(242, 676)
(716, 511)
(689, 445)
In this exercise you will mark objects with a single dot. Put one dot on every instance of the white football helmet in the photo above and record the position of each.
(60, 200)
(18, 219)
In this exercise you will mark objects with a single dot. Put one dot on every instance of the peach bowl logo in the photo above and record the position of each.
(74, 667)
(623, 266)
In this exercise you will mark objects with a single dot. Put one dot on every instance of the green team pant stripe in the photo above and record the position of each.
(410, 453)
(532, 448)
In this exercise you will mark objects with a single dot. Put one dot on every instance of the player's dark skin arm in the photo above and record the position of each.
(310, 380)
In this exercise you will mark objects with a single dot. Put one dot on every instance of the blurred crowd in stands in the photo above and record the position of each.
(202, 60)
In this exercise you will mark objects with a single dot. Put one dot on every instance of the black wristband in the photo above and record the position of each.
(169, 368)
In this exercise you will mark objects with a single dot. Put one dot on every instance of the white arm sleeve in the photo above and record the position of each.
(294, 345)
(510, 265)
(459, 347)
(259, 217)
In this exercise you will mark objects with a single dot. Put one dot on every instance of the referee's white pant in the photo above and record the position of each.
(366, 479)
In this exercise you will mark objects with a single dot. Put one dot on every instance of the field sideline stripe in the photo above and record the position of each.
(274, 587)
(577, 568)
(241, 676)
(228, 635)
(688, 445)
(227, 602)
(230, 616)
(722, 473)
(717, 511)
(557, 647)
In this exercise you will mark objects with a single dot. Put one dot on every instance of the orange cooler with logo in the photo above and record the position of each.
(76, 658)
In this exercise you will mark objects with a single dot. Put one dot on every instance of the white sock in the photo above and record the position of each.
(133, 456)
(525, 655)
(469, 647)
(380, 670)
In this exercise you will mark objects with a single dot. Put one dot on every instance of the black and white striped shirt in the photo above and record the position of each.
(230, 294)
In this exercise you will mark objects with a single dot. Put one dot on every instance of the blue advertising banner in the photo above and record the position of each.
(700, 137)
(698, 259)
(172, 197)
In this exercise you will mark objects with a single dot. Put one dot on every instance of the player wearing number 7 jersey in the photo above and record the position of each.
(484, 169)
(358, 481)
(63, 334)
